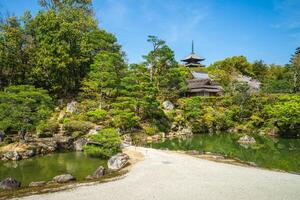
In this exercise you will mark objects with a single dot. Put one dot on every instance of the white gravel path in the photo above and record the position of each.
(171, 176)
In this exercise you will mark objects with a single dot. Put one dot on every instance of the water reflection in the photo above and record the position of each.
(275, 153)
(44, 168)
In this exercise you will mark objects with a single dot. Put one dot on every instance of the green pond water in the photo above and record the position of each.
(44, 168)
(271, 153)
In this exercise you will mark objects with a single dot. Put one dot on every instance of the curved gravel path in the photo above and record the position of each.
(164, 175)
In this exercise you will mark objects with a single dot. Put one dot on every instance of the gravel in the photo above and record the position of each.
(171, 176)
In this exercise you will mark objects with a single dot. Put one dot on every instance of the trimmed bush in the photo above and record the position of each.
(150, 131)
(49, 127)
(125, 119)
(105, 143)
(73, 126)
(96, 115)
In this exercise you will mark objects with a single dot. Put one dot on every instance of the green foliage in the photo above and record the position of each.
(165, 73)
(277, 80)
(23, 107)
(105, 143)
(96, 115)
(53, 49)
(252, 113)
(47, 128)
(227, 70)
(15, 51)
(73, 126)
(148, 130)
(103, 81)
(259, 69)
(124, 119)
(295, 70)
(285, 115)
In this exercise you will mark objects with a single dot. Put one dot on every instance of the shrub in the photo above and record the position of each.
(48, 127)
(96, 115)
(22, 107)
(77, 134)
(106, 143)
(8, 140)
(73, 126)
(150, 131)
(125, 119)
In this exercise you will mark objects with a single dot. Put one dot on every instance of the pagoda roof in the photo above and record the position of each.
(192, 57)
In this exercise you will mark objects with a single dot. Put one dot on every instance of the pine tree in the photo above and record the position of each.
(295, 68)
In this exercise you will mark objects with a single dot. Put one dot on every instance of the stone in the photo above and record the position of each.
(186, 131)
(168, 105)
(79, 144)
(246, 140)
(9, 183)
(61, 115)
(71, 107)
(37, 184)
(2, 135)
(12, 155)
(29, 153)
(92, 132)
(117, 161)
(100, 171)
(64, 178)
(273, 131)
(89, 177)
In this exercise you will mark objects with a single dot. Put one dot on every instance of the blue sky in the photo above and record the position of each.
(258, 29)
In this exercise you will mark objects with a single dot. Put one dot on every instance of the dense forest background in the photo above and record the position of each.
(61, 54)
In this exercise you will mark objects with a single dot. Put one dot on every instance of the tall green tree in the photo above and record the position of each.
(226, 71)
(259, 69)
(165, 73)
(102, 83)
(67, 39)
(15, 51)
(295, 70)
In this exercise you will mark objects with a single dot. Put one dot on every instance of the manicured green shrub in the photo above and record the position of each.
(125, 119)
(150, 131)
(105, 143)
(77, 134)
(96, 115)
(48, 127)
(82, 126)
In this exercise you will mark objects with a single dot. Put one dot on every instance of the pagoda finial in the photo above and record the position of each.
(192, 46)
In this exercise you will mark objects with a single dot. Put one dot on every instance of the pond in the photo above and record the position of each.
(44, 168)
(271, 153)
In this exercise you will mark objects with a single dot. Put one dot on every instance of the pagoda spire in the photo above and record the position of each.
(193, 60)
(193, 47)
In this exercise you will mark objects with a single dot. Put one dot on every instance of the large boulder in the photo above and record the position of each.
(100, 171)
(168, 105)
(71, 107)
(37, 184)
(117, 161)
(9, 183)
(12, 155)
(246, 140)
(64, 178)
(79, 144)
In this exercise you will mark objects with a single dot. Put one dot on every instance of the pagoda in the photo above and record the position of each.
(200, 84)
(193, 60)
